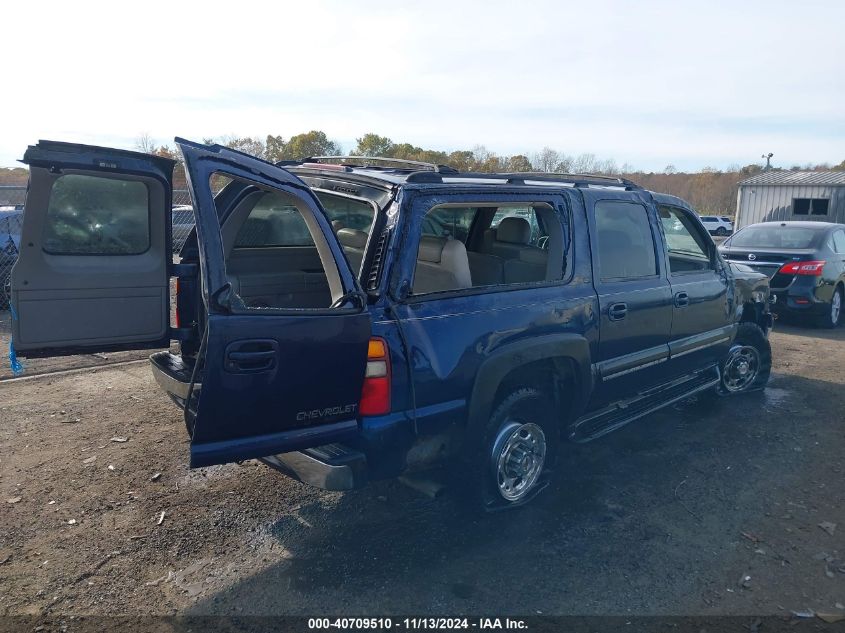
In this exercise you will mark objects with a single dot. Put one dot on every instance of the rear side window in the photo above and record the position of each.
(839, 241)
(487, 246)
(347, 213)
(625, 241)
(90, 215)
(449, 222)
(773, 235)
(272, 222)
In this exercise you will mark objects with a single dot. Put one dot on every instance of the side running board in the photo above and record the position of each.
(598, 423)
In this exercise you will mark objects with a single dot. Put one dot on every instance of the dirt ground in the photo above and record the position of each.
(736, 508)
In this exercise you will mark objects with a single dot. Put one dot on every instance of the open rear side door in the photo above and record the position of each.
(272, 380)
(93, 269)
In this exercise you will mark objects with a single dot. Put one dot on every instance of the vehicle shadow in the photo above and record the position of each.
(796, 328)
(638, 522)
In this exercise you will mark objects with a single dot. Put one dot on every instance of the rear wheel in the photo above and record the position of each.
(518, 449)
(833, 316)
(749, 361)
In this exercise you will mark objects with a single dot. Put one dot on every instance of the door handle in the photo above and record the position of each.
(251, 356)
(681, 299)
(617, 311)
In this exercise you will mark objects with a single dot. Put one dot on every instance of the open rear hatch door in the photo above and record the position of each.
(93, 270)
(273, 379)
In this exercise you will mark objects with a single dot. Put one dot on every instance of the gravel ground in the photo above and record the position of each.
(728, 508)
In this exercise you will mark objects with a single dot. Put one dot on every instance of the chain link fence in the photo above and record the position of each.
(12, 198)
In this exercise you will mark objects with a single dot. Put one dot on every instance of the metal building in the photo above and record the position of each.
(791, 195)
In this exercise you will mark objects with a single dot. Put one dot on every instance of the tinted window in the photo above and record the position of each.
(839, 241)
(347, 212)
(625, 242)
(89, 215)
(273, 221)
(708, 218)
(688, 248)
(774, 236)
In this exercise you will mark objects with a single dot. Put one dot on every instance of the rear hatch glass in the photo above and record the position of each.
(776, 236)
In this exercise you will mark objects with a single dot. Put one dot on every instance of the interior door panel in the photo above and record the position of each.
(93, 271)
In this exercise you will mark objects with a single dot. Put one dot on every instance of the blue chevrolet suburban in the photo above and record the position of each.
(351, 318)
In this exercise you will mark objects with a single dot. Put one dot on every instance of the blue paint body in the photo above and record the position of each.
(450, 352)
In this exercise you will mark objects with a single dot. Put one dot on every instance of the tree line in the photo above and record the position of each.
(709, 191)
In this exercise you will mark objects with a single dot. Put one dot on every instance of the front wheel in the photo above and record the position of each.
(518, 449)
(721, 231)
(749, 361)
(833, 315)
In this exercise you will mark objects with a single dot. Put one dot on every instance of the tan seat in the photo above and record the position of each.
(511, 236)
(511, 241)
(442, 265)
(531, 266)
(486, 270)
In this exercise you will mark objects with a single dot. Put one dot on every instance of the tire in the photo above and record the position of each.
(833, 316)
(721, 231)
(513, 459)
(748, 364)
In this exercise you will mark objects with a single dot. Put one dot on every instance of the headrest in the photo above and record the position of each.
(352, 238)
(431, 248)
(337, 225)
(514, 230)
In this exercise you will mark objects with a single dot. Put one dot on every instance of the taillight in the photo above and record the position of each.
(375, 395)
(813, 268)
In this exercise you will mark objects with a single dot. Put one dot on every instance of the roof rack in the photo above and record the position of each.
(519, 178)
(430, 167)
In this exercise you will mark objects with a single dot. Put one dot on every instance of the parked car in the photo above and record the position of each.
(717, 225)
(806, 264)
(365, 354)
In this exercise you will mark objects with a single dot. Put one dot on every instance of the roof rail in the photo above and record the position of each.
(519, 178)
(440, 169)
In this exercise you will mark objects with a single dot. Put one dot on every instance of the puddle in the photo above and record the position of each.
(774, 397)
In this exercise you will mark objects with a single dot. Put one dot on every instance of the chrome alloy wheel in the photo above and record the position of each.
(741, 368)
(519, 454)
(835, 307)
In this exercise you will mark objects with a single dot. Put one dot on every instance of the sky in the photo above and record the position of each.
(691, 84)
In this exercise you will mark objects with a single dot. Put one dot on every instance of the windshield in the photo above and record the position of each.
(775, 236)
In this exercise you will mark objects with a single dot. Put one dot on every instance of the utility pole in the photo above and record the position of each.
(768, 158)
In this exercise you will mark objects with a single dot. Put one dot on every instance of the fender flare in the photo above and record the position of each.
(565, 348)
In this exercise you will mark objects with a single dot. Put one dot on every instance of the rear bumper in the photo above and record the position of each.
(330, 467)
(172, 375)
(798, 299)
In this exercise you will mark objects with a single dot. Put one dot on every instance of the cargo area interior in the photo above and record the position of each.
(276, 255)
